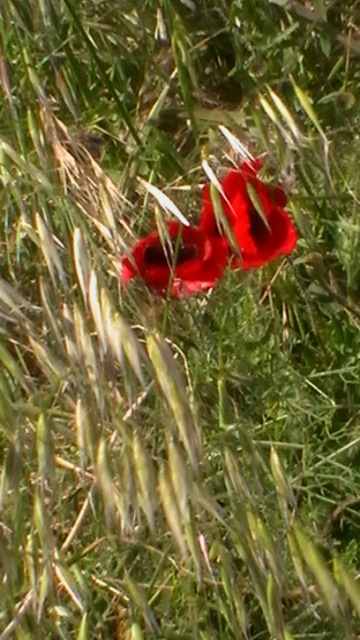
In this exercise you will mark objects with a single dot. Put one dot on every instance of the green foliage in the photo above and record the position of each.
(176, 469)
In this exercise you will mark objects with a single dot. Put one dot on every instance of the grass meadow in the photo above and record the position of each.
(177, 469)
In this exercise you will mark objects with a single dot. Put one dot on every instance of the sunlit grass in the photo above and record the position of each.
(176, 469)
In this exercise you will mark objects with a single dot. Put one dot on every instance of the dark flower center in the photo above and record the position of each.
(157, 257)
(258, 229)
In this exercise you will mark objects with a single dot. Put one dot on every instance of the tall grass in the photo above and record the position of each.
(176, 469)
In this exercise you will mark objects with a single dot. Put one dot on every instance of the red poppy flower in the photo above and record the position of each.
(192, 263)
(255, 211)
